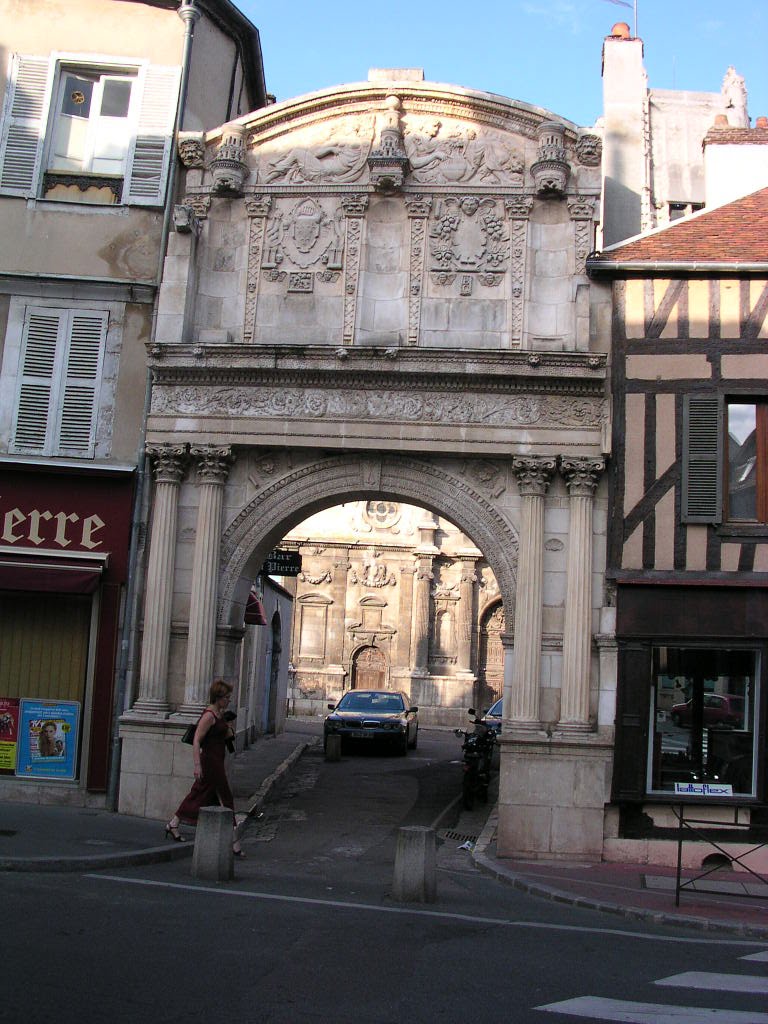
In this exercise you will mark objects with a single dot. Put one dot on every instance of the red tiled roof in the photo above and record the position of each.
(736, 136)
(734, 233)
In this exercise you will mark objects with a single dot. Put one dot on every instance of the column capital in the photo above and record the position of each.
(533, 473)
(168, 461)
(581, 474)
(213, 462)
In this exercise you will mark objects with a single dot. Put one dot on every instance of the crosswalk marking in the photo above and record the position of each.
(597, 1009)
(710, 981)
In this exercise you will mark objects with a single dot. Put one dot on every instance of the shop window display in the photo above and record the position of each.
(702, 718)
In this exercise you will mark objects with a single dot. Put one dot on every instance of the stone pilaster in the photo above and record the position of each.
(212, 470)
(420, 633)
(519, 211)
(168, 464)
(581, 475)
(418, 211)
(466, 614)
(533, 475)
(406, 616)
(354, 207)
(334, 655)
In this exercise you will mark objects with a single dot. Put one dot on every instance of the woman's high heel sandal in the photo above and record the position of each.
(172, 832)
(238, 853)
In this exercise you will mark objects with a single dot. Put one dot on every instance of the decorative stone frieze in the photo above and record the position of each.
(338, 156)
(550, 172)
(418, 207)
(518, 210)
(582, 211)
(459, 154)
(229, 169)
(257, 207)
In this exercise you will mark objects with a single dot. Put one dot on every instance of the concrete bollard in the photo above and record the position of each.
(212, 857)
(333, 747)
(415, 878)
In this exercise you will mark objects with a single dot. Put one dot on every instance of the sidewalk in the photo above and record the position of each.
(37, 837)
(41, 838)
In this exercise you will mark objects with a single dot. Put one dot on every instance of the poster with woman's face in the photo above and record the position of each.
(9, 733)
(48, 732)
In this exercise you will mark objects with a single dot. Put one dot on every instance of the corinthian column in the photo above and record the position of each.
(533, 473)
(168, 464)
(581, 476)
(212, 471)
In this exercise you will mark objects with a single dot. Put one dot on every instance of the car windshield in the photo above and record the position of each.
(361, 701)
(495, 709)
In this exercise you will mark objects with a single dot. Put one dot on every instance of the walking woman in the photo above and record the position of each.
(210, 787)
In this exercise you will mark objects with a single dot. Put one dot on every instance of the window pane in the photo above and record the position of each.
(742, 461)
(116, 98)
(76, 96)
(703, 703)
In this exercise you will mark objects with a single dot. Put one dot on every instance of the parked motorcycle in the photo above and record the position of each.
(477, 748)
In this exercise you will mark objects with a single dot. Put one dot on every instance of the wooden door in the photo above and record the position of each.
(369, 671)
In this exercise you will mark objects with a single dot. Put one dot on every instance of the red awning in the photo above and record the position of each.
(254, 611)
(49, 577)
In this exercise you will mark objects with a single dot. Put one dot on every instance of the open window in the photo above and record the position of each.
(77, 131)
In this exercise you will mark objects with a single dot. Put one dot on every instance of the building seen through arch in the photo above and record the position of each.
(370, 570)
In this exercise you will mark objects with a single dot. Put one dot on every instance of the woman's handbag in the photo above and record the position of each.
(189, 733)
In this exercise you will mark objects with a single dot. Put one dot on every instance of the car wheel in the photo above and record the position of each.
(412, 745)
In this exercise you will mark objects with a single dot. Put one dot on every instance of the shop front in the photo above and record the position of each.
(64, 539)
(691, 722)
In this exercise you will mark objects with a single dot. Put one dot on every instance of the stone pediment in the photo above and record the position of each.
(447, 137)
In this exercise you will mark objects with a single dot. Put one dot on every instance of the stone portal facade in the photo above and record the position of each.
(378, 293)
(370, 571)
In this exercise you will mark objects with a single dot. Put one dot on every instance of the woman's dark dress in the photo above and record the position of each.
(212, 788)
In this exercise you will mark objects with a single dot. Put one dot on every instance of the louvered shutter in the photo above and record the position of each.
(149, 158)
(80, 382)
(24, 120)
(40, 343)
(702, 458)
(62, 353)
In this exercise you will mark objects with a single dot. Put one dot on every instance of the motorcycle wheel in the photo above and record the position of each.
(468, 794)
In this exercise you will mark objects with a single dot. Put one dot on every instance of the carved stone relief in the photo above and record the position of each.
(304, 233)
(339, 156)
(469, 234)
(396, 406)
(457, 154)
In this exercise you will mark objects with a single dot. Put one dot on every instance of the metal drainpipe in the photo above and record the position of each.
(189, 14)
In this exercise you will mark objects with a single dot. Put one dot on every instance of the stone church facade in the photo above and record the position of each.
(378, 293)
(392, 596)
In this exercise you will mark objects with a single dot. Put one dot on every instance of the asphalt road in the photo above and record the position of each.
(308, 931)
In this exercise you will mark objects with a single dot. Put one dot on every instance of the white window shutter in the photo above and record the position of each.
(24, 121)
(40, 343)
(702, 496)
(149, 158)
(80, 381)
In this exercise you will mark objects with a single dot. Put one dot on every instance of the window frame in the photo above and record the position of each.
(28, 117)
(760, 403)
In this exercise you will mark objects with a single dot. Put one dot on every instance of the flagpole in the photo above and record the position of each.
(635, 19)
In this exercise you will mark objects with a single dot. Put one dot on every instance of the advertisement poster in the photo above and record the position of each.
(9, 734)
(47, 743)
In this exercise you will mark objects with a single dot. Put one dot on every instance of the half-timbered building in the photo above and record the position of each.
(688, 538)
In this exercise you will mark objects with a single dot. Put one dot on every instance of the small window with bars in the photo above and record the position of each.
(59, 381)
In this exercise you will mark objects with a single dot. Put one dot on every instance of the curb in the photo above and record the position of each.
(97, 862)
(489, 866)
(257, 800)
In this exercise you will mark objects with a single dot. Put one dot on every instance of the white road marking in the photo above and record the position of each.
(710, 981)
(415, 912)
(762, 956)
(596, 1009)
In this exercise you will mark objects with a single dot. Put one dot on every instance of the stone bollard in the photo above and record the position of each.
(415, 878)
(333, 747)
(212, 857)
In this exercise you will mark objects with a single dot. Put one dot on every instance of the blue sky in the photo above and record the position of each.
(545, 52)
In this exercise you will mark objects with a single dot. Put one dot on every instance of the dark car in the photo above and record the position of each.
(492, 716)
(370, 715)
(719, 709)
